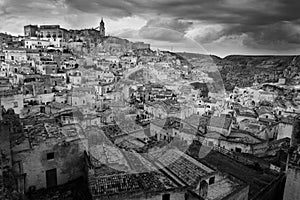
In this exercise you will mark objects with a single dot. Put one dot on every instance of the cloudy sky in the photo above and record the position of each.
(218, 27)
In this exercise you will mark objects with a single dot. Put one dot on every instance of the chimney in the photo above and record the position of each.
(203, 189)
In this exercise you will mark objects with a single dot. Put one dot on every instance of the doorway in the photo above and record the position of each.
(51, 178)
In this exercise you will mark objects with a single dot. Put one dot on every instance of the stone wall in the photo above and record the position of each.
(241, 194)
(68, 161)
(292, 185)
(14, 101)
(145, 195)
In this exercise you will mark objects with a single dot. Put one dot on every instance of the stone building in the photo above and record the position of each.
(31, 30)
(220, 124)
(82, 96)
(140, 46)
(51, 32)
(50, 155)
(292, 184)
(174, 175)
(10, 128)
(10, 97)
(15, 54)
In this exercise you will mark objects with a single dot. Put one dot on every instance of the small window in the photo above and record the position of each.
(50, 156)
(15, 104)
(211, 180)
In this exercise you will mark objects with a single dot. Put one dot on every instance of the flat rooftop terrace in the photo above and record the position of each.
(256, 179)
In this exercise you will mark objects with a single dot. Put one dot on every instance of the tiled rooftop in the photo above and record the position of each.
(220, 122)
(246, 112)
(168, 105)
(194, 120)
(249, 137)
(35, 118)
(263, 110)
(114, 184)
(43, 131)
(112, 131)
(185, 167)
(124, 183)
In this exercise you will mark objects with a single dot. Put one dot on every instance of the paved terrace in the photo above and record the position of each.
(256, 179)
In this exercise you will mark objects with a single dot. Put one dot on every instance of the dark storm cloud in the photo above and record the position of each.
(164, 29)
(220, 11)
(172, 24)
(265, 24)
(112, 9)
(268, 24)
(162, 34)
(280, 36)
(161, 29)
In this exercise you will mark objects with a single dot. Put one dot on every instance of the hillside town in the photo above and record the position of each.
(87, 116)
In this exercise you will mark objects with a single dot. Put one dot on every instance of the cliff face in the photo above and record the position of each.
(243, 71)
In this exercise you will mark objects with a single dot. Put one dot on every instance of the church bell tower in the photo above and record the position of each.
(102, 28)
